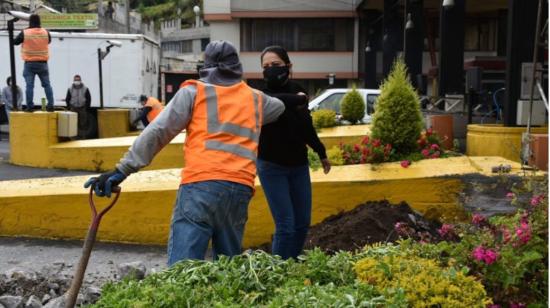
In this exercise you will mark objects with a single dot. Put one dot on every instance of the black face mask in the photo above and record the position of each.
(276, 76)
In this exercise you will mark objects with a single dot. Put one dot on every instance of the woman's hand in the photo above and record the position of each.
(326, 165)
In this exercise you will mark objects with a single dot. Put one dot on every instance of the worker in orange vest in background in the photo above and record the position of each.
(223, 117)
(35, 53)
(151, 109)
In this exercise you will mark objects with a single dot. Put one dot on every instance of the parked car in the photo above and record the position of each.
(331, 99)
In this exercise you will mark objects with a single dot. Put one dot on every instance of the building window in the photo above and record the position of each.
(305, 34)
(178, 46)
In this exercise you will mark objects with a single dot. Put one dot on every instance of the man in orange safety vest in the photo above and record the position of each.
(223, 117)
(35, 53)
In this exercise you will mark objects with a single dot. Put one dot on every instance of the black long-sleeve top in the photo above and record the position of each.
(284, 141)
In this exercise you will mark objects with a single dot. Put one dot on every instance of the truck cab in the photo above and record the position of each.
(332, 98)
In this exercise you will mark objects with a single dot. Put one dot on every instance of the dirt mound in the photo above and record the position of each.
(368, 223)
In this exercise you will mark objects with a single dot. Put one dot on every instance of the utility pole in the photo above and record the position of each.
(127, 5)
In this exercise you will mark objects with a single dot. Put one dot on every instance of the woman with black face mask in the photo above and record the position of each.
(282, 163)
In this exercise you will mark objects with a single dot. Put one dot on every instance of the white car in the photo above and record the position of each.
(331, 99)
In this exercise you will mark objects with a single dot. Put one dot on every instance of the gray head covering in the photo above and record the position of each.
(221, 64)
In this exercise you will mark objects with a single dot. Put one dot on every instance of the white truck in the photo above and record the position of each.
(332, 98)
(128, 71)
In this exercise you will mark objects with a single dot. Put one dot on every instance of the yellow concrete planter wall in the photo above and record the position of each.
(497, 140)
(58, 207)
(34, 143)
(113, 123)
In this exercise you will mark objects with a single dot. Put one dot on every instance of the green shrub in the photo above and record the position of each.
(353, 106)
(397, 119)
(336, 156)
(424, 282)
(323, 118)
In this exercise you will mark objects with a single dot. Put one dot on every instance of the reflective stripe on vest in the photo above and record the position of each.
(215, 126)
(35, 45)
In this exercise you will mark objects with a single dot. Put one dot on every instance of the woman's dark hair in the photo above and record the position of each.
(8, 80)
(279, 51)
(34, 21)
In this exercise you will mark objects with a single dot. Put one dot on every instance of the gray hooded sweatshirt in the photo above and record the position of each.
(222, 68)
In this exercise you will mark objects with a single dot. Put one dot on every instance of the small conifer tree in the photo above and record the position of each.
(397, 119)
(353, 106)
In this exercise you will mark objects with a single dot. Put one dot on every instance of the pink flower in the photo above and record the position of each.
(510, 195)
(402, 228)
(506, 236)
(478, 219)
(434, 146)
(517, 305)
(405, 163)
(435, 155)
(478, 253)
(536, 200)
(490, 256)
(523, 232)
(446, 231)
(494, 306)
(425, 152)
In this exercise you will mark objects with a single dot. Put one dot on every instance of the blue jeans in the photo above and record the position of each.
(41, 69)
(288, 192)
(215, 210)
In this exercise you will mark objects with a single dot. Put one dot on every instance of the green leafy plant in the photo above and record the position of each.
(353, 106)
(323, 118)
(397, 119)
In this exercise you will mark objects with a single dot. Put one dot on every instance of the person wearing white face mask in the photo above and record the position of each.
(78, 100)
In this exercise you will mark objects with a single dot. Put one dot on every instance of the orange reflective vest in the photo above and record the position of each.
(156, 108)
(35, 45)
(223, 134)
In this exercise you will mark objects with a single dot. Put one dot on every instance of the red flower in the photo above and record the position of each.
(421, 142)
(405, 163)
(376, 143)
(365, 140)
(356, 148)
(429, 131)
(435, 155)
(478, 219)
(425, 153)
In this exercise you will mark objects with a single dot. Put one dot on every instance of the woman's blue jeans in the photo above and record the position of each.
(288, 192)
(204, 211)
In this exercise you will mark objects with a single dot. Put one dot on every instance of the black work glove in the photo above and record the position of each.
(103, 185)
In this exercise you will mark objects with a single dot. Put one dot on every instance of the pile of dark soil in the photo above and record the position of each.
(368, 223)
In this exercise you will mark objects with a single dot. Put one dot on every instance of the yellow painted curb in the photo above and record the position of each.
(497, 140)
(34, 143)
(58, 207)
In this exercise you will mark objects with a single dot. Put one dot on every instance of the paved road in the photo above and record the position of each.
(13, 172)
